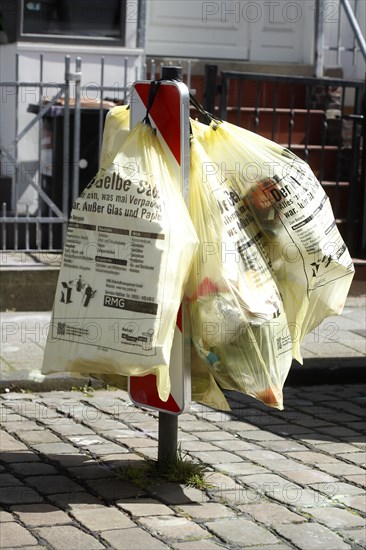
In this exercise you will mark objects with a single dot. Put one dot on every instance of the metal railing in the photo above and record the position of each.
(346, 15)
(351, 15)
(312, 117)
(40, 223)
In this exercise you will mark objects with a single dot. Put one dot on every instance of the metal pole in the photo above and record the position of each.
(168, 437)
(180, 366)
(76, 155)
(363, 173)
(16, 178)
(319, 39)
(101, 107)
(189, 74)
(209, 93)
(39, 228)
(355, 26)
(168, 423)
(152, 69)
(141, 25)
(354, 53)
(66, 149)
(125, 79)
(172, 73)
(223, 97)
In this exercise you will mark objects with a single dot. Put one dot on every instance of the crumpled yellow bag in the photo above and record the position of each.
(204, 388)
(116, 128)
(127, 256)
(238, 325)
(298, 231)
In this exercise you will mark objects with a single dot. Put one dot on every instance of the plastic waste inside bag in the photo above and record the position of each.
(238, 325)
(204, 387)
(298, 231)
(127, 255)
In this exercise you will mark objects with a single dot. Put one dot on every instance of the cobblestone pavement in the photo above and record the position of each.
(278, 479)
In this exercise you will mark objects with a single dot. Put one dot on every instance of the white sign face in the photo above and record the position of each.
(169, 115)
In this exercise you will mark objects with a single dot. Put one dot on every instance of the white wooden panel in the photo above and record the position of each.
(282, 32)
(193, 28)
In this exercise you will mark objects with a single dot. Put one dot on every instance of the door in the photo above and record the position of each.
(196, 29)
(259, 31)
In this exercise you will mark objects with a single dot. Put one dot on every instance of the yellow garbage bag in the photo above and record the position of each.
(127, 256)
(238, 325)
(311, 262)
(116, 127)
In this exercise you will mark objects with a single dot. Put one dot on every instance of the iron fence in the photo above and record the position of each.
(57, 129)
(67, 139)
(312, 116)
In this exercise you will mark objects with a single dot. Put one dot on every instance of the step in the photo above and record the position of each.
(335, 158)
(285, 125)
(266, 94)
(330, 157)
(28, 280)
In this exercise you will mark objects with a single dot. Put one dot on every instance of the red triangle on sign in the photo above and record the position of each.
(144, 392)
(166, 110)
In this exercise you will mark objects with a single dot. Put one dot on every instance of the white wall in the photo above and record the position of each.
(259, 31)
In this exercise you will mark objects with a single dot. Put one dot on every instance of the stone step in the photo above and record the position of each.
(28, 280)
(283, 125)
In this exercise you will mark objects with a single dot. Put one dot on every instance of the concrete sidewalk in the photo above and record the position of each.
(278, 480)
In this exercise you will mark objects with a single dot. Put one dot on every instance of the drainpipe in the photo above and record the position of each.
(141, 25)
(319, 39)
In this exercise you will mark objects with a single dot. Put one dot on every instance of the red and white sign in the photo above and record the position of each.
(169, 114)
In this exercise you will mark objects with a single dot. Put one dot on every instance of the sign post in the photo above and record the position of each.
(169, 116)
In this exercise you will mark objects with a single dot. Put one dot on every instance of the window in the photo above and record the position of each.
(87, 21)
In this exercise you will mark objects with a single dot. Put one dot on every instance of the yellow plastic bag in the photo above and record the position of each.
(298, 231)
(204, 387)
(116, 127)
(127, 255)
(238, 325)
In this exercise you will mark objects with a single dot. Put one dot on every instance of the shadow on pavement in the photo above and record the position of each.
(328, 419)
(69, 481)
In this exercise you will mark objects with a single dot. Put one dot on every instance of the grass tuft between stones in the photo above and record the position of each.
(176, 469)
